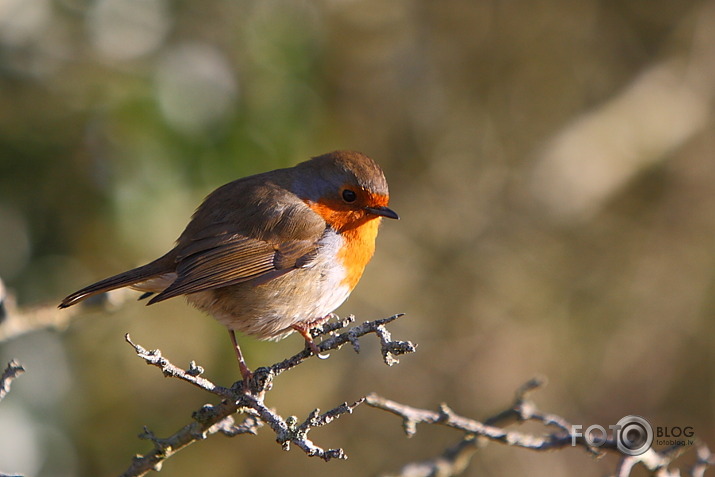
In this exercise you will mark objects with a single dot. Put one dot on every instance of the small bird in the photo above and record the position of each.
(271, 253)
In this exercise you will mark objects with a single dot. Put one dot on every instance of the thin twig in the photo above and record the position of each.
(191, 375)
(389, 349)
(447, 417)
(12, 371)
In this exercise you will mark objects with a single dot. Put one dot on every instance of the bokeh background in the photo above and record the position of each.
(552, 162)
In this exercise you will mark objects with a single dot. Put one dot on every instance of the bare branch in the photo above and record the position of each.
(191, 375)
(388, 348)
(248, 399)
(15, 322)
(454, 459)
(705, 460)
(12, 371)
(445, 416)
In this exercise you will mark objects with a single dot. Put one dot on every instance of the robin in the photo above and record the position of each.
(271, 253)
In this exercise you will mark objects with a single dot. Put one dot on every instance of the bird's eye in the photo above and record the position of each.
(349, 195)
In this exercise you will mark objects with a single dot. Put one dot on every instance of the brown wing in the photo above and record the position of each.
(239, 234)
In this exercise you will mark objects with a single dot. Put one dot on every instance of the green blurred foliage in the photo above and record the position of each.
(551, 161)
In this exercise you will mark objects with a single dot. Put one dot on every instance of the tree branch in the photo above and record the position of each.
(12, 371)
(248, 398)
(15, 322)
(455, 458)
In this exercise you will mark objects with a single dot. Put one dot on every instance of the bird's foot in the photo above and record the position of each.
(304, 329)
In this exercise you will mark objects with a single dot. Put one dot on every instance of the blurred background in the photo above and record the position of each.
(552, 162)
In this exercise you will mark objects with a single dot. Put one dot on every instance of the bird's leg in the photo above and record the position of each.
(304, 329)
(245, 372)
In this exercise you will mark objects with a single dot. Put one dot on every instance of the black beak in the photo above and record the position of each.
(383, 212)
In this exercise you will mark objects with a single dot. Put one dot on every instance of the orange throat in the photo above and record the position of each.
(358, 230)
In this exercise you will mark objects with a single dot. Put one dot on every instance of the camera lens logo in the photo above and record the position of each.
(634, 435)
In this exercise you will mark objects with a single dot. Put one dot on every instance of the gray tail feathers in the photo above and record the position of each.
(156, 268)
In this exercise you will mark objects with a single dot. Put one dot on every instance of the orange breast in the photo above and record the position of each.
(358, 250)
(358, 230)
